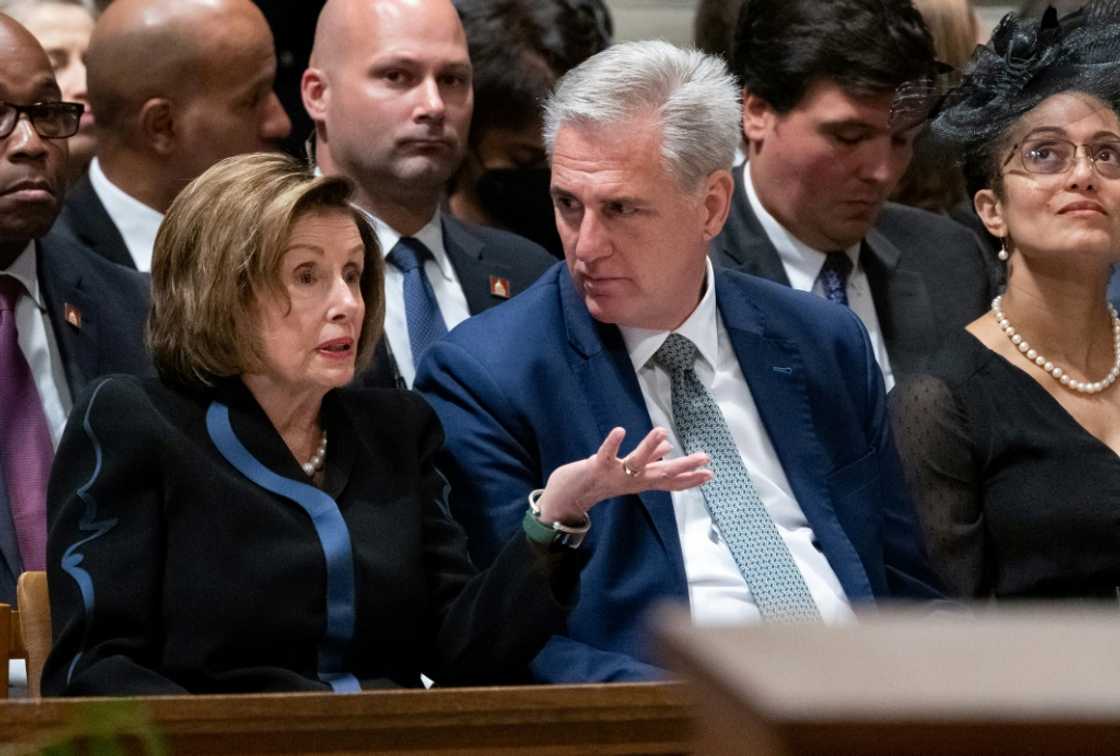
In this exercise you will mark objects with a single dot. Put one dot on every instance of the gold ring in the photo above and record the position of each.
(626, 469)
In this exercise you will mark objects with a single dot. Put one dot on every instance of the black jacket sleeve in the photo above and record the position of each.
(104, 555)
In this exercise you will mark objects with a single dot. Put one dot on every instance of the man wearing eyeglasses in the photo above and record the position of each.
(66, 315)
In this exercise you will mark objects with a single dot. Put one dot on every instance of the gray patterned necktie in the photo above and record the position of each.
(776, 584)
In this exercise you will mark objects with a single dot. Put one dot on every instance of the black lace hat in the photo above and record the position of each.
(1027, 61)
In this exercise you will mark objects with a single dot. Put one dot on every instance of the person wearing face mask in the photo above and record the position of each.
(518, 49)
(63, 28)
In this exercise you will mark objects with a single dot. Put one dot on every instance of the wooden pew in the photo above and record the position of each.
(539, 720)
(1010, 680)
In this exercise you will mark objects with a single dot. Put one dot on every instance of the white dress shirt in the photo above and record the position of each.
(803, 266)
(717, 591)
(137, 222)
(39, 346)
(445, 284)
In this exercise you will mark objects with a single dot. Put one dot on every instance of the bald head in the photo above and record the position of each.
(142, 49)
(343, 24)
(177, 85)
(31, 167)
(389, 90)
(17, 43)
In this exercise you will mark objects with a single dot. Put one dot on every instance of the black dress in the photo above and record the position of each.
(1016, 498)
(188, 552)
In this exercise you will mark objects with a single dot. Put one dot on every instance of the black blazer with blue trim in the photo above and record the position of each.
(171, 571)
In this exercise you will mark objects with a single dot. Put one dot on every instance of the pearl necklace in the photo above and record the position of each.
(1083, 387)
(315, 464)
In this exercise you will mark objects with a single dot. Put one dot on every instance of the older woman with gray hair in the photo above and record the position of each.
(247, 522)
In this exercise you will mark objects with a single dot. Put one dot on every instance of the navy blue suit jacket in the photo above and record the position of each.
(537, 382)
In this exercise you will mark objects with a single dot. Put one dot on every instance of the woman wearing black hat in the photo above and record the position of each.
(1011, 439)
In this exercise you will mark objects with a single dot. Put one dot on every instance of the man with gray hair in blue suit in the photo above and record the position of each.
(806, 517)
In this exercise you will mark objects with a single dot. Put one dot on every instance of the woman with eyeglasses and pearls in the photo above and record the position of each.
(1011, 439)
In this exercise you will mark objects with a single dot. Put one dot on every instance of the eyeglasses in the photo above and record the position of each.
(1049, 156)
(51, 120)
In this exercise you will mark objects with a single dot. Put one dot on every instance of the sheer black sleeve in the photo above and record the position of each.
(936, 443)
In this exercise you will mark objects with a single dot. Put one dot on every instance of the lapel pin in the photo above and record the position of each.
(499, 287)
(72, 315)
(782, 370)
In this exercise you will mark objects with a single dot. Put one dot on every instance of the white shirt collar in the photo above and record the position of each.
(431, 234)
(23, 270)
(137, 222)
(699, 328)
(802, 263)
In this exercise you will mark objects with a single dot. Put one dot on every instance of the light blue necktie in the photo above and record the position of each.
(834, 277)
(421, 310)
(776, 584)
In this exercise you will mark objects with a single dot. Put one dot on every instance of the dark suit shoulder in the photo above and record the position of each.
(509, 247)
(909, 226)
(85, 220)
(61, 250)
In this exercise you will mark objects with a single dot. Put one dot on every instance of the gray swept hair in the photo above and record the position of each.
(692, 94)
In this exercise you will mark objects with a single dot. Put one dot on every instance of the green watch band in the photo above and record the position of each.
(554, 534)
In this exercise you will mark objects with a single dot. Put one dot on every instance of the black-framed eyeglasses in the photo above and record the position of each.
(51, 120)
(1050, 156)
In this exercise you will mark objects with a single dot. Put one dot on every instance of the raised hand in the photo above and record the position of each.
(576, 487)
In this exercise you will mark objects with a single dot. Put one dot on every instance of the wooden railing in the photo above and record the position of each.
(541, 720)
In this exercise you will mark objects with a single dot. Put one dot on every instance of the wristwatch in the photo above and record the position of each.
(552, 534)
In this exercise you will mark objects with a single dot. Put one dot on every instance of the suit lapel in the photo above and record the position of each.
(93, 226)
(775, 372)
(465, 251)
(60, 281)
(743, 245)
(602, 365)
(902, 304)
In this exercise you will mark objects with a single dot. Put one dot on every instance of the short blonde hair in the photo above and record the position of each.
(219, 249)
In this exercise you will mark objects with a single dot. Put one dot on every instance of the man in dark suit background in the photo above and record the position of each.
(806, 516)
(176, 86)
(389, 90)
(66, 315)
(829, 137)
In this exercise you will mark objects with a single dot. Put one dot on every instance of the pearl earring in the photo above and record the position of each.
(1002, 255)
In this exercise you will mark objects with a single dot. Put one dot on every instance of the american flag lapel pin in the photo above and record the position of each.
(499, 287)
(72, 315)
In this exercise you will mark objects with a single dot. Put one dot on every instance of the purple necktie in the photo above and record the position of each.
(834, 277)
(25, 440)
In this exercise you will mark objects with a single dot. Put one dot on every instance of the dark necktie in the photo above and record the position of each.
(25, 441)
(757, 547)
(834, 277)
(421, 310)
